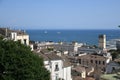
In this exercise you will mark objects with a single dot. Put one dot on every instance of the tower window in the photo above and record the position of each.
(56, 67)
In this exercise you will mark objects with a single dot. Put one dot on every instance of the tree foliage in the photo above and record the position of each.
(119, 26)
(17, 62)
(115, 54)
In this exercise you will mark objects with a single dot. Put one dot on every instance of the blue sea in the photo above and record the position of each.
(84, 36)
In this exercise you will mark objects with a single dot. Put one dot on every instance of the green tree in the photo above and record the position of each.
(115, 54)
(17, 62)
(119, 26)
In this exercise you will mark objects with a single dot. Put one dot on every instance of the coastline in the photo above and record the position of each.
(84, 36)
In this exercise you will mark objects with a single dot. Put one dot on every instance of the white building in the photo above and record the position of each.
(112, 44)
(44, 45)
(58, 67)
(16, 35)
(83, 50)
(20, 36)
(70, 47)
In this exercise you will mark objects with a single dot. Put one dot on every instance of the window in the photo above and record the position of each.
(56, 67)
(25, 41)
(99, 62)
(50, 66)
(83, 62)
(103, 62)
(80, 61)
(56, 76)
(103, 69)
(91, 61)
(95, 61)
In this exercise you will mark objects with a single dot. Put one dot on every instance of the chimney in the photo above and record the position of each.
(24, 31)
(6, 32)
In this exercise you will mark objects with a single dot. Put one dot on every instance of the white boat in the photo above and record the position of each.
(45, 32)
(58, 32)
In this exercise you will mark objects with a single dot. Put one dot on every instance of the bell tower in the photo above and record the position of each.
(102, 41)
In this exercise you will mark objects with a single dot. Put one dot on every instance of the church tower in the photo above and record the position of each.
(102, 41)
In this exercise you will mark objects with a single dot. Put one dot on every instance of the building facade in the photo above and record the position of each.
(15, 35)
(22, 38)
(95, 61)
(70, 47)
(57, 67)
(112, 67)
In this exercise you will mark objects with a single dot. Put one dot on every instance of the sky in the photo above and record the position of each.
(60, 14)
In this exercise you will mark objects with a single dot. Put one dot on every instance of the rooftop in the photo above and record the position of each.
(111, 76)
(53, 56)
(49, 56)
(19, 32)
(89, 50)
(66, 61)
(79, 69)
(92, 57)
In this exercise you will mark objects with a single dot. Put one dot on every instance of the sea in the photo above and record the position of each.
(82, 36)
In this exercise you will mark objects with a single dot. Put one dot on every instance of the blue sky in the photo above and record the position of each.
(60, 14)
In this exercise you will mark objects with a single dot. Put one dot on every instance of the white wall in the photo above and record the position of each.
(63, 73)
(47, 65)
(53, 72)
(22, 37)
(67, 73)
(13, 36)
(31, 46)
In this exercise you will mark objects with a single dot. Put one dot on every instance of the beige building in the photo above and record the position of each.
(102, 42)
(95, 61)
(79, 71)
